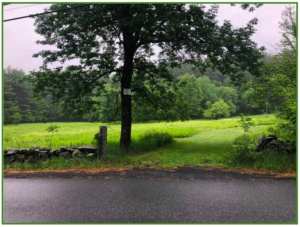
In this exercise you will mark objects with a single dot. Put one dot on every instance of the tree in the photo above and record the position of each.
(191, 94)
(279, 80)
(229, 95)
(18, 98)
(119, 40)
(288, 26)
(16, 118)
(218, 109)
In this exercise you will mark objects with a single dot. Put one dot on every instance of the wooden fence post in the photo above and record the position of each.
(102, 149)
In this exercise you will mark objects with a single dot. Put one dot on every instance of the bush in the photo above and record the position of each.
(243, 155)
(151, 140)
(244, 144)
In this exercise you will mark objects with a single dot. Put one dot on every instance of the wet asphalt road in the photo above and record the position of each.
(148, 201)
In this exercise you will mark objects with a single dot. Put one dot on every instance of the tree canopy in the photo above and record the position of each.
(120, 40)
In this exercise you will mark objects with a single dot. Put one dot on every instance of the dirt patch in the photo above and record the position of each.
(177, 173)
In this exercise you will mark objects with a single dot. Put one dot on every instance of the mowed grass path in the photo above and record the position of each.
(198, 142)
(205, 148)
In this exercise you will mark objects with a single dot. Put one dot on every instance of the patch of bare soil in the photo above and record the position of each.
(178, 173)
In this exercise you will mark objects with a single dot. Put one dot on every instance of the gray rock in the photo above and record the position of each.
(70, 150)
(45, 149)
(33, 148)
(274, 143)
(261, 139)
(43, 152)
(65, 155)
(278, 145)
(77, 154)
(87, 148)
(63, 148)
(12, 151)
(54, 152)
(260, 143)
(75, 146)
(271, 138)
(91, 156)
(23, 151)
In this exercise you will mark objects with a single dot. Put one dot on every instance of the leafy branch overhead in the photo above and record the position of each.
(185, 34)
(121, 40)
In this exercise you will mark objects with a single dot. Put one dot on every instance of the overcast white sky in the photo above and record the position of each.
(20, 37)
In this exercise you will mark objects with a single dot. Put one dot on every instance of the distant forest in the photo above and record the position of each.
(200, 95)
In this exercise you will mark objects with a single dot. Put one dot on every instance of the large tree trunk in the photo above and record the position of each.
(126, 102)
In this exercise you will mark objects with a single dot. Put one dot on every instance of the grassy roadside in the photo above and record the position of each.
(199, 142)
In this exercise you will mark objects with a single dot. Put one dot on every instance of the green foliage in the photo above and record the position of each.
(16, 118)
(244, 145)
(246, 122)
(21, 107)
(147, 141)
(151, 140)
(191, 93)
(264, 160)
(288, 25)
(244, 156)
(218, 109)
(226, 48)
(107, 106)
(52, 129)
(229, 95)
(117, 41)
(278, 85)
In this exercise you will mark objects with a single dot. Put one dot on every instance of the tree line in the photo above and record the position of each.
(21, 107)
(193, 96)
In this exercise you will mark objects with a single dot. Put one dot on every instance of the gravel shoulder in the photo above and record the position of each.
(178, 173)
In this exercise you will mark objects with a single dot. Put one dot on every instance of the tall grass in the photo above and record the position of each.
(151, 140)
(268, 160)
(79, 133)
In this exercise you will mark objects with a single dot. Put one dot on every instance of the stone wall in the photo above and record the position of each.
(34, 153)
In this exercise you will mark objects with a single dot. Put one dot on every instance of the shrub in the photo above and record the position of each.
(147, 141)
(244, 144)
(243, 155)
(151, 140)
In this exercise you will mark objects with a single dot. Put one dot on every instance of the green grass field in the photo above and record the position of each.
(27, 135)
(198, 142)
